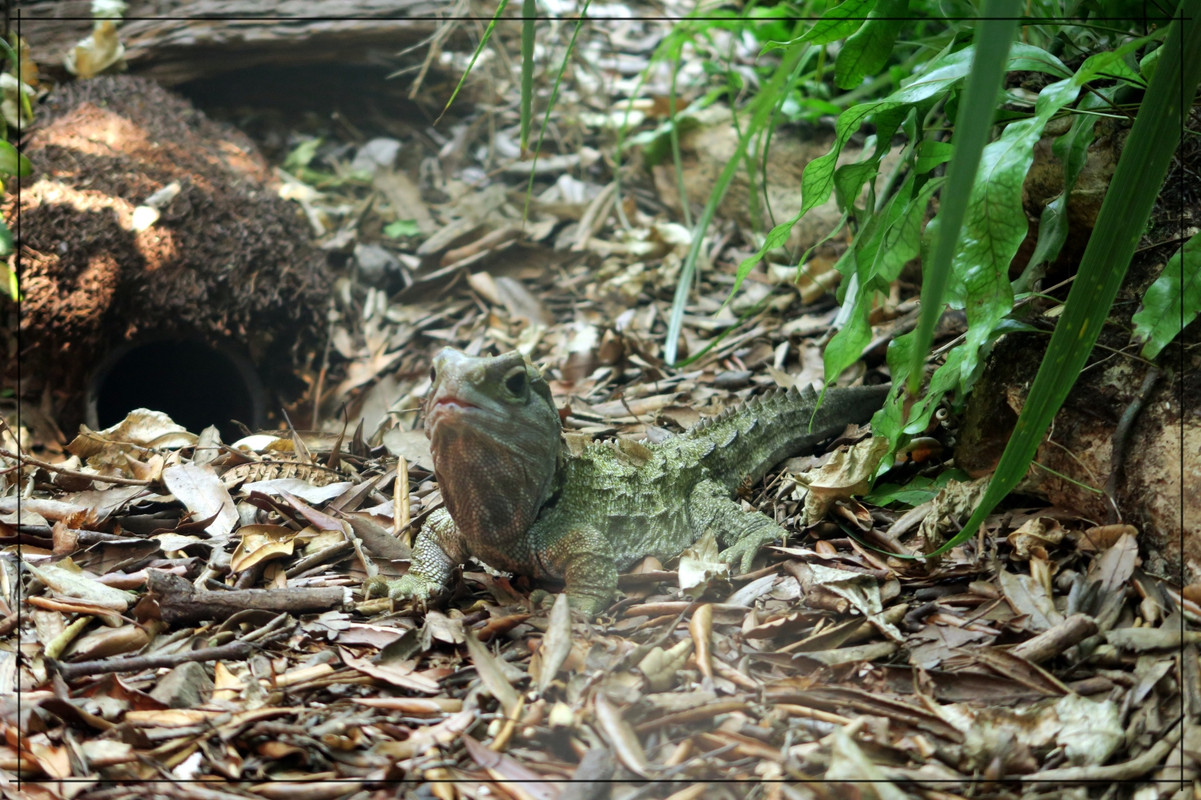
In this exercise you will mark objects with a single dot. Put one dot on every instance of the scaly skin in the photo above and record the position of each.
(517, 500)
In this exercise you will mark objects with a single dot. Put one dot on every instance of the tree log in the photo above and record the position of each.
(178, 41)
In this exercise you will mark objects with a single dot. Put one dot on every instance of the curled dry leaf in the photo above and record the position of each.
(97, 52)
(701, 569)
(394, 674)
(863, 593)
(1029, 597)
(492, 674)
(513, 774)
(950, 508)
(69, 581)
(202, 493)
(1117, 564)
(621, 737)
(259, 543)
(556, 645)
(701, 628)
(848, 472)
(140, 431)
(660, 667)
(1033, 537)
(849, 762)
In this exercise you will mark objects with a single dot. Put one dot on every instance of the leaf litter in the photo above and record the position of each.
(176, 609)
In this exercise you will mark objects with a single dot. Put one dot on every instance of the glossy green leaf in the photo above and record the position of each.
(994, 220)
(931, 154)
(13, 162)
(839, 22)
(6, 241)
(888, 240)
(942, 75)
(1172, 301)
(865, 52)
(849, 179)
(917, 490)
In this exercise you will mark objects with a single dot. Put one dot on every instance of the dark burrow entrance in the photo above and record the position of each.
(195, 384)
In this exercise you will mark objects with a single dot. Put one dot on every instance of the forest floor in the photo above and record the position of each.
(209, 637)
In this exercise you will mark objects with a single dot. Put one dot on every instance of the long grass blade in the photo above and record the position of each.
(972, 125)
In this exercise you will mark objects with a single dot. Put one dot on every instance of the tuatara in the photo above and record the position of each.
(519, 501)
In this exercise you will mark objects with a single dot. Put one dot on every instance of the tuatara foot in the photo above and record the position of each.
(407, 587)
(588, 605)
(714, 510)
(584, 607)
(743, 551)
(375, 587)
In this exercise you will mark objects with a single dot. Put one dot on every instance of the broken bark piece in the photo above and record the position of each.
(176, 41)
(105, 666)
(1056, 639)
(179, 602)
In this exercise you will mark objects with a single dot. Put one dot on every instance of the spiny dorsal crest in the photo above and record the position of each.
(804, 395)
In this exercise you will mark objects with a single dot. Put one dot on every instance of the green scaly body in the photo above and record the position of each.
(519, 501)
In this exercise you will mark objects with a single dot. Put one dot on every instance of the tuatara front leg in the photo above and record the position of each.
(742, 532)
(585, 560)
(438, 550)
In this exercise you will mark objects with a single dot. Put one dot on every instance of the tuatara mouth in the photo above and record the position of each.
(451, 400)
(448, 408)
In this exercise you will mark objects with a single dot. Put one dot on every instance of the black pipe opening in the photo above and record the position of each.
(197, 385)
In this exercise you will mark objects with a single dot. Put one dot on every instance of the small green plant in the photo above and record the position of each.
(12, 162)
(1136, 183)
(907, 79)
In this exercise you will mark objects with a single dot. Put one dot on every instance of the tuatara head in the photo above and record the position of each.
(495, 438)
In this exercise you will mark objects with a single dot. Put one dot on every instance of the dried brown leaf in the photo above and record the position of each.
(556, 645)
(621, 737)
(661, 667)
(68, 581)
(260, 543)
(492, 674)
(515, 776)
(701, 628)
(401, 676)
(202, 493)
(701, 569)
(1028, 597)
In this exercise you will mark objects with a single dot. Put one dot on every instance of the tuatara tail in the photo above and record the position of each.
(750, 439)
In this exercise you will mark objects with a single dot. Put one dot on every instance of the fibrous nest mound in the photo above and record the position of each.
(226, 262)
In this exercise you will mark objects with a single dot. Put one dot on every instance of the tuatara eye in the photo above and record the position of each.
(515, 382)
(433, 374)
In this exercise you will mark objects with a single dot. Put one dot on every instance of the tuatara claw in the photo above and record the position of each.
(375, 587)
(744, 551)
(407, 587)
(410, 587)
